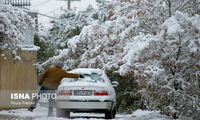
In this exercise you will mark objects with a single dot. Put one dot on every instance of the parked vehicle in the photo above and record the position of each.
(93, 93)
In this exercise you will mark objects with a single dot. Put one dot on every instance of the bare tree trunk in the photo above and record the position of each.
(169, 5)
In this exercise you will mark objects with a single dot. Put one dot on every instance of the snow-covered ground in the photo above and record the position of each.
(40, 113)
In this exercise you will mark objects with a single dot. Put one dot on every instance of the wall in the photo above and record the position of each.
(17, 75)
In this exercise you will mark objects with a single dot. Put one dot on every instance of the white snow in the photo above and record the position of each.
(196, 21)
(30, 48)
(172, 26)
(2, 55)
(17, 58)
(87, 71)
(87, 81)
(139, 112)
(79, 84)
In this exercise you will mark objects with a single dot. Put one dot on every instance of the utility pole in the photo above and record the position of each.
(69, 4)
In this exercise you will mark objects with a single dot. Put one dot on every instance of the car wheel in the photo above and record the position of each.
(110, 114)
(62, 113)
(114, 112)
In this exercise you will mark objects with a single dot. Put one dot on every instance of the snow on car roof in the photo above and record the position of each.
(87, 71)
(79, 84)
(65, 82)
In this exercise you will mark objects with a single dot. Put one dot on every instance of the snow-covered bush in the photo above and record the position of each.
(16, 28)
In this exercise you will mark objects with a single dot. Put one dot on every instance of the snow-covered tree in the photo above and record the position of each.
(154, 42)
(16, 29)
(152, 13)
(169, 65)
(69, 25)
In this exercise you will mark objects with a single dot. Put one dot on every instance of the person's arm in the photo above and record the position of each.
(70, 75)
(44, 75)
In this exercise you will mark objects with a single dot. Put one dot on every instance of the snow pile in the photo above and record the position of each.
(139, 113)
(16, 28)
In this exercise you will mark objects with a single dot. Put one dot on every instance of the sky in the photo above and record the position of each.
(53, 8)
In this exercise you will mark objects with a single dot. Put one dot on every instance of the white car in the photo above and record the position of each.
(93, 93)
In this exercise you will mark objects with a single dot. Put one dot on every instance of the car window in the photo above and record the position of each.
(93, 78)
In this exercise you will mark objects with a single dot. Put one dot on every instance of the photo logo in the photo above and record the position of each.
(25, 96)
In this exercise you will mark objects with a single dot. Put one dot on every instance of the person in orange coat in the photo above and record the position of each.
(50, 81)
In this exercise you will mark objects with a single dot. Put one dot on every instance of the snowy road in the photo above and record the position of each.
(40, 113)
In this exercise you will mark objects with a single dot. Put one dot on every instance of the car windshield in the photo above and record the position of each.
(93, 78)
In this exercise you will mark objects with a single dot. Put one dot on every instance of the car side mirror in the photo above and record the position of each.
(115, 83)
